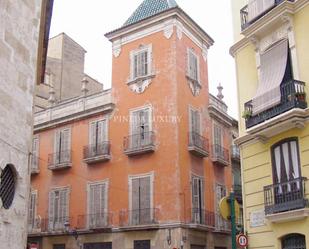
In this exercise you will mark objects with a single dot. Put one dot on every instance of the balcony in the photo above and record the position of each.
(222, 225)
(202, 217)
(55, 225)
(60, 160)
(198, 145)
(100, 221)
(139, 143)
(238, 192)
(97, 153)
(34, 225)
(286, 198)
(292, 96)
(235, 153)
(139, 218)
(220, 155)
(246, 21)
(35, 165)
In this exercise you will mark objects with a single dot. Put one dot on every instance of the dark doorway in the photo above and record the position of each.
(141, 244)
(102, 245)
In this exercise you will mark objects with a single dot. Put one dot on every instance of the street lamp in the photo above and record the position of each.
(72, 232)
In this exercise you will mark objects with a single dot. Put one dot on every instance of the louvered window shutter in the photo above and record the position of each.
(64, 206)
(66, 145)
(102, 131)
(35, 154)
(195, 193)
(135, 212)
(51, 209)
(103, 204)
(198, 122)
(145, 200)
(57, 147)
(202, 193)
(32, 210)
(92, 197)
(145, 63)
(135, 66)
(93, 139)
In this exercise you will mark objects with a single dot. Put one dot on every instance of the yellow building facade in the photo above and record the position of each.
(271, 52)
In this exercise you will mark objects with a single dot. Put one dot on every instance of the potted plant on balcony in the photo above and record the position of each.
(300, 96)
(247, 113)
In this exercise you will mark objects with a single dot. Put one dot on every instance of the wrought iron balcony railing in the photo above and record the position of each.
(292, 96)
(286, 196)
(202, 217)
(95, 221)
(198, 144)
(97, 152)
(220, 155)
(235, 152)
(139, 143)
(222, 225)
(244, 14)
(34, 225)
(238, 192)
(60, 160)
(55, 224)
(35, 164)
(137, 217)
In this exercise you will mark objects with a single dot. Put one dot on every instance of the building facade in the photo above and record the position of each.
(271, 54)
(144, 164)
(24, 26)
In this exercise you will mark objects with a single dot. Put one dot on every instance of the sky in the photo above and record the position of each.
(86, 21)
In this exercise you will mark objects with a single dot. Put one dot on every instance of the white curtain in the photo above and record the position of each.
(294, 153)
(273, 65)
(278, 166)
(285, 149)
(257, 7)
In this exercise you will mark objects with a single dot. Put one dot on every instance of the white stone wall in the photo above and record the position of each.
(19, 27)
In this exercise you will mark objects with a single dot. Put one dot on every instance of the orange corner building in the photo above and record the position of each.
(144, 164)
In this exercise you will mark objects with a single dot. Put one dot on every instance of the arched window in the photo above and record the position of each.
(7, 186)
(293, 241)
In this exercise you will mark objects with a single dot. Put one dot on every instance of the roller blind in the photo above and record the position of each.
(258, 7)
(273, 66)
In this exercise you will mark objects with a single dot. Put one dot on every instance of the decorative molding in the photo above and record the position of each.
(117, 48)
(169, 29)
(195, 87)
(140, 85)
(274, 36)
(179, 30)
(204, 51)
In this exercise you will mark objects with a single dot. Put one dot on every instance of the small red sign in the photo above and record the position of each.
(242, 240)
(34, 246)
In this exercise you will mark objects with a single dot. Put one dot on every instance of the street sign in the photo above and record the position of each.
(242, 240)
(225, 209)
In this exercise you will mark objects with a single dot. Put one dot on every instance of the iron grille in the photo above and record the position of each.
(294, 241)
(7, 187)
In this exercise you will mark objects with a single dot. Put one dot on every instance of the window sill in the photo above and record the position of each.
(139, 84)
(194, 81)
(140, 78)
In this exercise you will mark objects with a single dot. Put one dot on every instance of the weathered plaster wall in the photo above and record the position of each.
(19, 25)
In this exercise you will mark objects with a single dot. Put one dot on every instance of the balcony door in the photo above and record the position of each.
(286, 172)
(198, 212)
(98, 137)
(140, 128)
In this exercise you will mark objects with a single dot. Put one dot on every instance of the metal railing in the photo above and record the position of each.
(238, 192)
(147, 216)
(34, 225)
(235, 152)
(202, 217)
(57, 159)
(94, 221)
(244, 14)
(196, 140)
(96, 150)
(220, 154)
(292, 96)
(55, 224)
(139, 141)
(285, 196)
(222, 224)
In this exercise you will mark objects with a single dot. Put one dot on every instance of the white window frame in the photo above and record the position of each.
(131, 177)
(36, 137)
(133, 53)
(191, 51)
(147, 107)
(34, 192)
(96, 183)
(204, 192)
(69, 139)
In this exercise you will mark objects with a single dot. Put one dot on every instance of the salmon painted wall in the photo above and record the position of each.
(169, 96)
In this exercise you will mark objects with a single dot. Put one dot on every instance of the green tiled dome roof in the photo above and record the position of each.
(150, 8)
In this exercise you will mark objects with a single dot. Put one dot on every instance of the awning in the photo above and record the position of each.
(257, 7)
(272, 70)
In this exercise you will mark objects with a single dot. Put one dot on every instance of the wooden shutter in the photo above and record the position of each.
(35, 153)
(135, 201)
(57, 147)
(65, 145)
(92, 139)
(195, 192)
(217, 135)
(145, 199)
(102, 131)
(63, 205)
(202, 193)
(135, 66)
(32, 209)
(51, 209)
